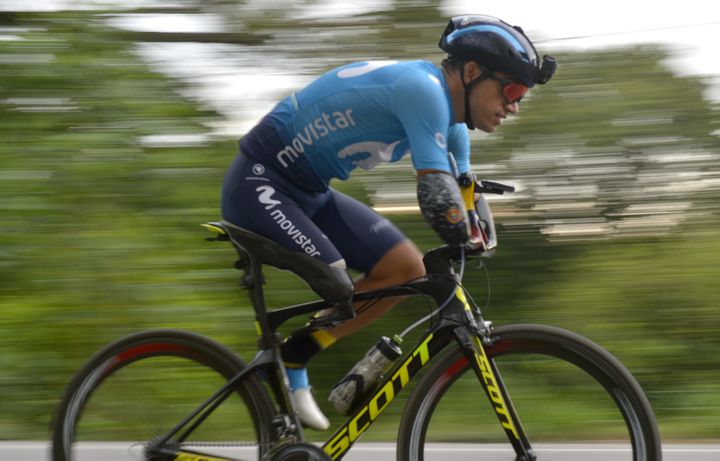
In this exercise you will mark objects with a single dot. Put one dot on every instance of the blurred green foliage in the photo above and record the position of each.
(100, 234)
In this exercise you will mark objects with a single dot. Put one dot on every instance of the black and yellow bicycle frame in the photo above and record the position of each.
(451, 328)
(456, 323)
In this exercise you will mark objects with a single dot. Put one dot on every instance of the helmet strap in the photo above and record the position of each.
(467, 88)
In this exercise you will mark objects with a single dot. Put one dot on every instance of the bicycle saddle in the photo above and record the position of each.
(331, 283)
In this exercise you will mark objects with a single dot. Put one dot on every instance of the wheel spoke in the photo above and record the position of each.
(141, 387)
(565, 390)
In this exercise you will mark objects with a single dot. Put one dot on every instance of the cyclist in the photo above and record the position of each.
(360, 115)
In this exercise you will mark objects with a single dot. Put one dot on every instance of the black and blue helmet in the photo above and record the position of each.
(497, 46)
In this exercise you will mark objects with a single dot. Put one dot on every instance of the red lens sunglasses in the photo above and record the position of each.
(511, 90)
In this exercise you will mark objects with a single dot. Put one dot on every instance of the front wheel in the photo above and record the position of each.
(140, 387)
(573, 399)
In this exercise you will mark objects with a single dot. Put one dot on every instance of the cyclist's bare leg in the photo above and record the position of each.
(403, 262)
(399, 265)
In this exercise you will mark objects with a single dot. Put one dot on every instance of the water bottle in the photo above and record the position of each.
(364, 376)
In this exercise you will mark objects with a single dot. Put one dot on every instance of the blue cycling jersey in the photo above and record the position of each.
(360, 115)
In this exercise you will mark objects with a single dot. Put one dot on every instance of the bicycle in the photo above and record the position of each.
(459, 352)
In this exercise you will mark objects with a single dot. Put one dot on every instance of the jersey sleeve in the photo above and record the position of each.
(459, 145)
(422, 108)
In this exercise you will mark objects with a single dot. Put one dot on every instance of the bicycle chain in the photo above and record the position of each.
(225, 444)
(270, 448)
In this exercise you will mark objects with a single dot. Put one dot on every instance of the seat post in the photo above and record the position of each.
(253, 280)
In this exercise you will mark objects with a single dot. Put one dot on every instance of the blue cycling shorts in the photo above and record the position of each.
(327, 225)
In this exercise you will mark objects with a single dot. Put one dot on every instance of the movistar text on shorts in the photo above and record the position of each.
(298, 237)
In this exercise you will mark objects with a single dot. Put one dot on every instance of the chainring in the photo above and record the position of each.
(297, 452)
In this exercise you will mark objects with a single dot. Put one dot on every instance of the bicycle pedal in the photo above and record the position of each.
(284, 427)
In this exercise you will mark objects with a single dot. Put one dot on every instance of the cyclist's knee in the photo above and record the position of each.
(400, 264)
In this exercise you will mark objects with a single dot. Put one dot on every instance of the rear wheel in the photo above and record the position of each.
(574, 401)
(142, 386)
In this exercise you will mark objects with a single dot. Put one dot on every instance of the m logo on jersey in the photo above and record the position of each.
(368, 153)
(265, 197)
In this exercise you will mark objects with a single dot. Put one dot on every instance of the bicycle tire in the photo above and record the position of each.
(167, 364)
(544, 350)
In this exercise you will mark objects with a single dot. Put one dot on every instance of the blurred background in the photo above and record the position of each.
(118, 119)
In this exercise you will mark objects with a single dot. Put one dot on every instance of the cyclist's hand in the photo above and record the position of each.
(474, 248)
(478, 231)
(477, 243)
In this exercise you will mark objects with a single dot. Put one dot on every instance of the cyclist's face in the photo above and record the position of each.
(488, 106)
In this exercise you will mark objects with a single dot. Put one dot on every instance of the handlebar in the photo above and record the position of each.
(484, 186)
(482, 225)
(492, 187)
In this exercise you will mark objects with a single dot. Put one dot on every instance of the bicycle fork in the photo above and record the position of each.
(496, 392)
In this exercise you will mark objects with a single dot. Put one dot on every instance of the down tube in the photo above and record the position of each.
(395, 381)
(495, 390)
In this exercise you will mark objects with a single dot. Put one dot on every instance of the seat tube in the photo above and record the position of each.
(497, 394)
(267, 342)
(257, 297)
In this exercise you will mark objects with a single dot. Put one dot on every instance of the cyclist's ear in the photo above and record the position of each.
(471, 71)
(443, 207)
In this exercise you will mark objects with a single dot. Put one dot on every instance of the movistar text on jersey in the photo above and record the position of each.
(313, 131)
